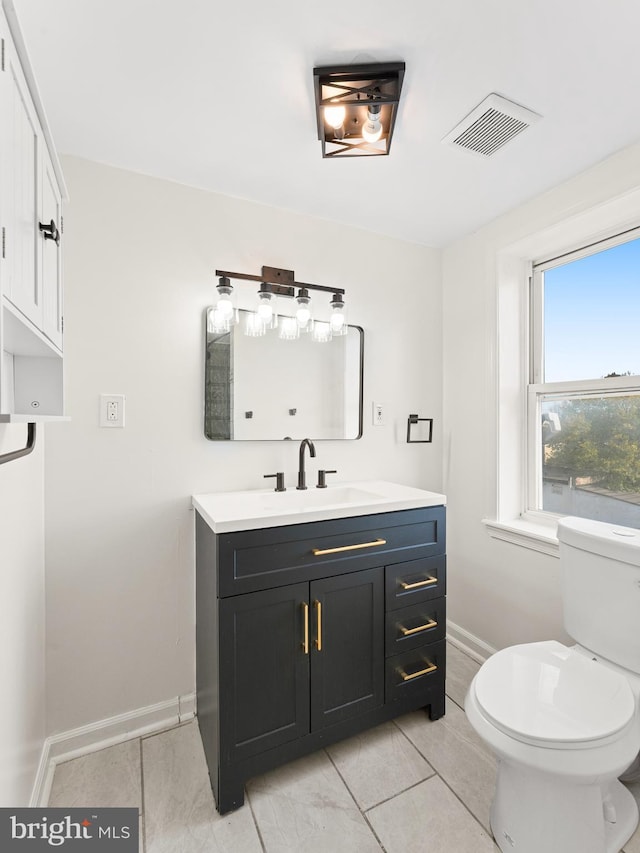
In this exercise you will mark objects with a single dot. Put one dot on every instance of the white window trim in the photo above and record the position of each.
(511, 521)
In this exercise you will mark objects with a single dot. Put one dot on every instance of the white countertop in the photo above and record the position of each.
(226, 512)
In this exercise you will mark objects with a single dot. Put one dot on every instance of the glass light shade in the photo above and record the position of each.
(335, 116)
(338, 319)
(217, 321)
(321, 333)
(254, 326)
(289, 329)
(303, 310)
(266, 309)
(224, 304)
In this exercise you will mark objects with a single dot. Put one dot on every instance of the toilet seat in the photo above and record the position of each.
(546, 694)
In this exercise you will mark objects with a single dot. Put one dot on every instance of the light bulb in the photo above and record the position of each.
(225, 306)
(334, 116)
(372, 128)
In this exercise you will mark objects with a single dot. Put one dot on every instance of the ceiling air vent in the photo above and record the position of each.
(491, 125)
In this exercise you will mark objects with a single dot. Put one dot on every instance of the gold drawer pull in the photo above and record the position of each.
(427, 582)
(408, 631)
(305, 642)
(406, 677)
(318, 641)
(318, 553)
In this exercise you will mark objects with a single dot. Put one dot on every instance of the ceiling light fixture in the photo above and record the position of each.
(276, 282)
(356, 107)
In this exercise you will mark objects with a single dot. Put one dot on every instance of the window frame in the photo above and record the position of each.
(538, 391)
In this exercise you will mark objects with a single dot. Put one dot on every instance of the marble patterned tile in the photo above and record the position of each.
(460, 671)
(378, 764)
(108, 778)
(428, 817)
(306, 806)
(179, 809)
(457, 754)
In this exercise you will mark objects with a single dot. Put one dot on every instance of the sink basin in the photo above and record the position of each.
(226, 512)
(313, 498)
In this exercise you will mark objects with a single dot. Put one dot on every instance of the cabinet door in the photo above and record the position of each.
(347, 648)
(20, 147)
(50, 254)
(264, 670)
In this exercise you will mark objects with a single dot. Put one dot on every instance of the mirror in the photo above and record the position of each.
(269, 389)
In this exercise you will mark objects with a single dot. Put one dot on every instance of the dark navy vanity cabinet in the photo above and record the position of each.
(310, 633)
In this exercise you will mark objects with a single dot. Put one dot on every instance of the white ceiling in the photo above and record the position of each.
(219, 95)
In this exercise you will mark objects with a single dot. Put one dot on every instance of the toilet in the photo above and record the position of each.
(562, 720)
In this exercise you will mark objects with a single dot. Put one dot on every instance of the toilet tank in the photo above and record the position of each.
(600, 571)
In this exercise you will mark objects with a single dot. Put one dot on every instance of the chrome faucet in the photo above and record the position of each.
(302, 479)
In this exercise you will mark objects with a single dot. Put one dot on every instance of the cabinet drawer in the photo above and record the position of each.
(260, 559)
(410, 627)
(415, 581)
(416, 671)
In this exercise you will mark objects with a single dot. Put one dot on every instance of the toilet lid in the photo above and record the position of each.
(547, 694)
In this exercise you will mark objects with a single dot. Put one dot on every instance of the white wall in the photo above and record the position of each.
(22, 622)
(498, 591)
(139, 260)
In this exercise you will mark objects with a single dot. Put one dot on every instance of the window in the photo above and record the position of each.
(583, 402)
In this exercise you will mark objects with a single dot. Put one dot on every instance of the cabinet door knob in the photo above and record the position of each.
(50, 231)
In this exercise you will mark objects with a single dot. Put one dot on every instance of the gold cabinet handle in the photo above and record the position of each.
(406, 632)
(305, 642)
(318, 553)
(427, 582)
(318, 641)
(431, 668)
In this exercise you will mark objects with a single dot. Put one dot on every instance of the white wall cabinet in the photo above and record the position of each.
(31, 193)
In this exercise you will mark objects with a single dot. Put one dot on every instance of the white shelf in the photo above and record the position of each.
(31, 419)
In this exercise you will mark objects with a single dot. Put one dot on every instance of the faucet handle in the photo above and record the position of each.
(322, 482)
(280, 487)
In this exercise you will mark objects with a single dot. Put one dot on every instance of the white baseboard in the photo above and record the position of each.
(107, 732)
(469, 643)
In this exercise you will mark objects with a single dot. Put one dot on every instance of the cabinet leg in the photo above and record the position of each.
(230, 792)
(436, 707)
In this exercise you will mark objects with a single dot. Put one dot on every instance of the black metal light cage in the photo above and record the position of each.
(357, 88)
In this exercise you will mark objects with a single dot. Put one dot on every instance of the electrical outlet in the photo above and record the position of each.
(378, 415)
(112, 410)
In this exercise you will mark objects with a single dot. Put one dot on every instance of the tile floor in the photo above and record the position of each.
(404, 787)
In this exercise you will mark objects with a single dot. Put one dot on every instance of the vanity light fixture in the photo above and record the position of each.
(276, 282)
(356, 107)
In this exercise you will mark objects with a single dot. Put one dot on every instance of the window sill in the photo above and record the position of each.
(537, 535)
